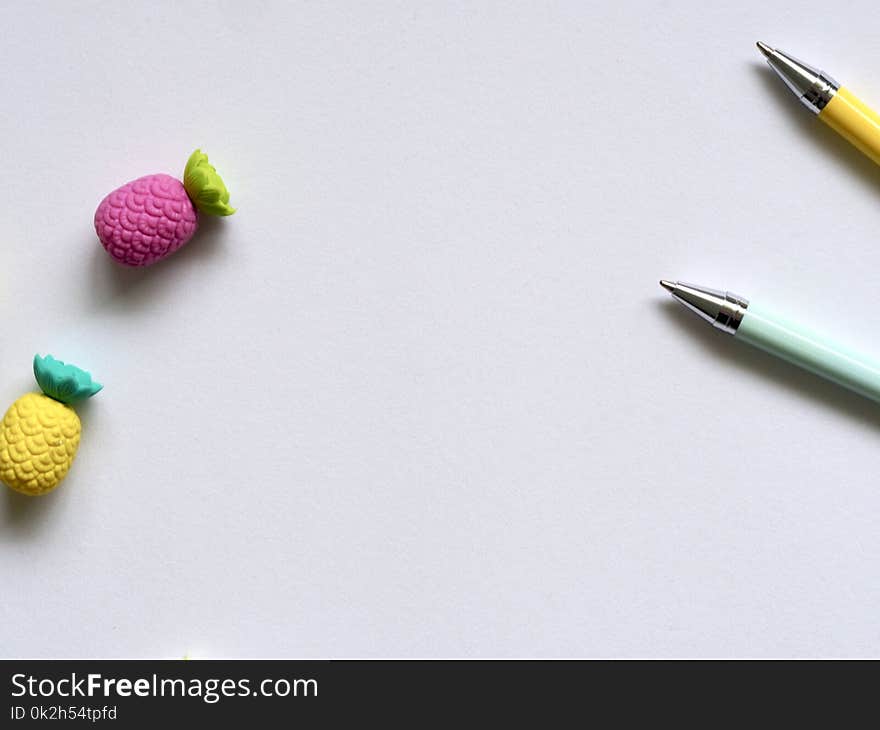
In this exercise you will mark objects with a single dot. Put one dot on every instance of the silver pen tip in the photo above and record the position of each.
(667, 285)
(764, 48)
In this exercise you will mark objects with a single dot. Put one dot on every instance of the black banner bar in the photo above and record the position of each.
(131, 693)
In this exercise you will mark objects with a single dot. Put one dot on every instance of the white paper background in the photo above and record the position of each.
(421, 395)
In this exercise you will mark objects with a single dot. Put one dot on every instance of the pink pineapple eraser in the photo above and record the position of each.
(151, 217)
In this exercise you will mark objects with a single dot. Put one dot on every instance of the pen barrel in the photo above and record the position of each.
(810, 351)
(854, 120)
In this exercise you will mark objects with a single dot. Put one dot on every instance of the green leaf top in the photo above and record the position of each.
(63, 382)
(205, 187)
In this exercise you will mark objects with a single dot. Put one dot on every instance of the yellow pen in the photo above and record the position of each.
(835, 105)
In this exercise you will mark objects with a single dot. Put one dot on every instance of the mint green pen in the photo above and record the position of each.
(765, 330)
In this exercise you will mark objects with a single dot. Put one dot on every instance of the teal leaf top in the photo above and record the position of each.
(63, 382)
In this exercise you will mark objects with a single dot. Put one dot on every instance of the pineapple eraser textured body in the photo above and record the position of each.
(39, 435)
(151, 217)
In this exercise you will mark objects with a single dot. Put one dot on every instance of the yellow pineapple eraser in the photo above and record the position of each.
(40, 432)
